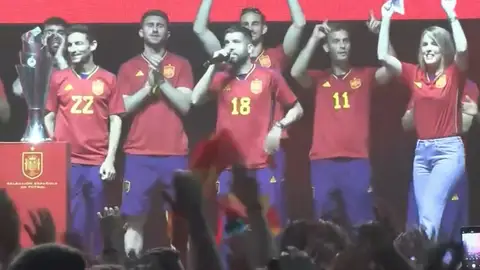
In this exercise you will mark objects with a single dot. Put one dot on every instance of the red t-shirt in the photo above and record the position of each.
(342, 114)
(157, 128)
(245, 109)
(82, 108)
(274, 58)
(470, 90)
(437, 112)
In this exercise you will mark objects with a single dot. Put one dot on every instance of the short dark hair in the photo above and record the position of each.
(337, 26)
(55, 21)
(154, 12)
(81, 28)
(253, 10)
(236, 28)
(49, 256)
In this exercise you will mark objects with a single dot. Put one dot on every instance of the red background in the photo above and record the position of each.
(129, 11)
(55, 164)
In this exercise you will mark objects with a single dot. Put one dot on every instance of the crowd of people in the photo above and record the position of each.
(86, 107)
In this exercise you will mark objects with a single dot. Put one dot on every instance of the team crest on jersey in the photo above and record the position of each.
(139, 74)
(32, 164)
(68, 87)
(98, 87)
(126, 186)
(264, 61)
(256, 86)
(441, 81)
(227, 88)
(355, 83)
(327, 84)
(168, 71)
(418, 84)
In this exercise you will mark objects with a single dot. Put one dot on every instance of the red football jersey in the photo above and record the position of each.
(2, 89)
(157, 128)
(245, 109)
(437, 111)
(274, 58)
(342, 113)
(470, 90)
(82, 108)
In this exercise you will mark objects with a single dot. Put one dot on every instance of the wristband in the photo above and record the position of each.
(280, 125)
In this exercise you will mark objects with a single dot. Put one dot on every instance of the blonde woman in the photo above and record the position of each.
(436, 84)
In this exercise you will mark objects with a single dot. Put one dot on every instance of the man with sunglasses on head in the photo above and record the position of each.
(277, 58)
(54, 38)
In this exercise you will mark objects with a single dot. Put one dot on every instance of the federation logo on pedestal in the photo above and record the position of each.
(32, 164)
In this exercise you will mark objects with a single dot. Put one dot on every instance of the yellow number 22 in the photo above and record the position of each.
(82, 105)
(340, 101)
(241, 106)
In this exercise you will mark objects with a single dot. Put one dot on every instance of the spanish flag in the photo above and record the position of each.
(208, 159)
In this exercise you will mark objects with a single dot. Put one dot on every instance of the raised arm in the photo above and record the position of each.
(200, 91)
(393, 67)
(200, 27)
(461, 53)
(299, 68)
(291, 42)
(4, 105)
(382, 76)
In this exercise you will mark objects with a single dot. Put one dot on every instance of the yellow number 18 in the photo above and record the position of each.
(241, 106)
(340, 101)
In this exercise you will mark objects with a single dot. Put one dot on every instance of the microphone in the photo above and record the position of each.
(217, 60)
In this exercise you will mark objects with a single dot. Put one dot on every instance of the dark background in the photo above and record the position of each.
(392, 149)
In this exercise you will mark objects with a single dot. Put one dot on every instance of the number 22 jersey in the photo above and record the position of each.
(83, 107)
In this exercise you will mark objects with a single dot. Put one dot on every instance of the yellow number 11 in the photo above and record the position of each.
(340, 101)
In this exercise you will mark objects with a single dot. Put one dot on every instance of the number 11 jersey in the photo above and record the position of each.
(341, 125)
(83, 105)
(244, 107)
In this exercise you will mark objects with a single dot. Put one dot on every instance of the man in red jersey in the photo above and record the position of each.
(4, 105)
(277, 58)
(156, 87)
(54, 37)
(339, 155)
(84, 110)
(245, 95)
(455, 214)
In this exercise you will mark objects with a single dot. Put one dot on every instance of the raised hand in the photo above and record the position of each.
(321, 30)
(469, 106)
(43, 227)
(449, 6)
(373, 24)
(387, 9)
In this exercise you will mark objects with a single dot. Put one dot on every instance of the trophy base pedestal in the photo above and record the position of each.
(36, 176)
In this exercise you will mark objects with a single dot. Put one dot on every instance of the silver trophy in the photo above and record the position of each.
(34, 73)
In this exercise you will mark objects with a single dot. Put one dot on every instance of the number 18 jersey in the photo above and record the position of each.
(244, 107)
(82, 107)
(341, 125)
